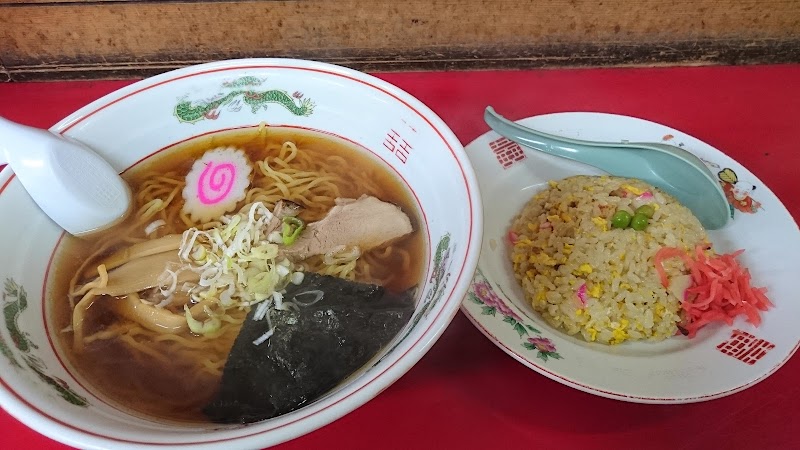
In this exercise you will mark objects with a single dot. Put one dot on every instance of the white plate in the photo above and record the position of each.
(719, 361)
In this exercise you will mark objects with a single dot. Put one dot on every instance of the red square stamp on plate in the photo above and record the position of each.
(745, 347)
(507, 152)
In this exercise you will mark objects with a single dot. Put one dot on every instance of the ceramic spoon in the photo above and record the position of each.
(670, 168)
(74, 186)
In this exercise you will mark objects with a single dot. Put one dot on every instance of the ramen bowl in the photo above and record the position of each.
(38, 383)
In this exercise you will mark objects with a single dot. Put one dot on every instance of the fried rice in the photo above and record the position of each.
(586, 277)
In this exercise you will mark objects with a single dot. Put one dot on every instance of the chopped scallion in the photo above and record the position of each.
(292, 227)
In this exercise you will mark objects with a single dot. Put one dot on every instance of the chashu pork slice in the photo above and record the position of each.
(366, 222)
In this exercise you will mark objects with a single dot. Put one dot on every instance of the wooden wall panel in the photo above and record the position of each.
(42, 39)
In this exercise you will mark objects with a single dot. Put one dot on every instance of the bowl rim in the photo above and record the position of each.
(343, 402)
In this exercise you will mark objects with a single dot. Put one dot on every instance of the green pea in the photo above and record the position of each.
(621, 219)
(646, 210)
(639, 222)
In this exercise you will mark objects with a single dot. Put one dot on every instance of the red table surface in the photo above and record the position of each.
(466, 393)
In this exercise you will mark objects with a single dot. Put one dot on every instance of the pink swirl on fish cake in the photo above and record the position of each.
(216, 182)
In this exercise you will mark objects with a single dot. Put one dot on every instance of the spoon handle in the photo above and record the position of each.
(674, 170)
(72, 184)
(594, 155)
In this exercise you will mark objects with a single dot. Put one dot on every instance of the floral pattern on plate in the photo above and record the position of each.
(481, 293)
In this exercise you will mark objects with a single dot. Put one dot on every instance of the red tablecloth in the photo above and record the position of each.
(466, 393)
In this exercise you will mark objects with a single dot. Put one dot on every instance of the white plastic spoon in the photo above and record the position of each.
(74, 186)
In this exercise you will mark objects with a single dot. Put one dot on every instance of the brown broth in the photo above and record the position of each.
(110, 370)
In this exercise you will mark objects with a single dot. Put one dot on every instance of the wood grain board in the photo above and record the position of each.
(64, 39)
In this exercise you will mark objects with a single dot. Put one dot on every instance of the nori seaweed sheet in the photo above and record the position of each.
(310, 352)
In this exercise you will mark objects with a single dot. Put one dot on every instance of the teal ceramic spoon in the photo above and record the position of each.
(670, 168)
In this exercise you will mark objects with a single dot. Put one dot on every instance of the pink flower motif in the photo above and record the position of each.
(543, 344)
(489, 298)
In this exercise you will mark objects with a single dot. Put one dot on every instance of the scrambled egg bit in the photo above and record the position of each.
(541, 298)
(619, 330)
(600, 222)
(633, 189)
(585, 268)
(592, 334)
(542, 258)
(619, 334)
